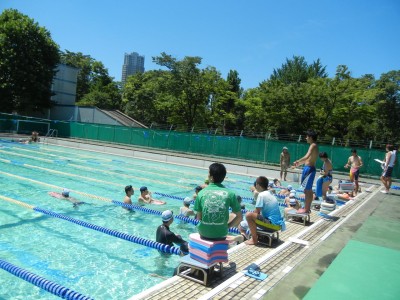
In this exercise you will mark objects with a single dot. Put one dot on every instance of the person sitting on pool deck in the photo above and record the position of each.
(129, 191)
(145, 197)
(165, 236)
(212, 206)
(185, 209)
(267, 210)
(291, 203)
(34, 137)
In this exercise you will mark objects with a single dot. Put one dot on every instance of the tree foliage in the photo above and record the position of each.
(188, 89)
(28, 60)
(94, 87)
(297, 96)
(297, 70)
(342, 106)
(140, 92)
(183, 95)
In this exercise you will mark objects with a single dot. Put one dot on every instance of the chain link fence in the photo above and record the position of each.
(260, 148)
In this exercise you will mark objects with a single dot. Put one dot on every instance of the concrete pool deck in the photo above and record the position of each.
(296, 271)
(294, 268)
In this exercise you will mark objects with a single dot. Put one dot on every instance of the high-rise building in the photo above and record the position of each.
(133, 63)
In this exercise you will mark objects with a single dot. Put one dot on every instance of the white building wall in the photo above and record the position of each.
(64, 85)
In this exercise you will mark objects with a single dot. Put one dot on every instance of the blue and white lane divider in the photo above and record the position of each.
(156, 212)
(168, 196)
(138, 208)
(245, 199)
(121, 235)
(43, 283)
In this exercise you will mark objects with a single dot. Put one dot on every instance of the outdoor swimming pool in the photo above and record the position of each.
(87, 261)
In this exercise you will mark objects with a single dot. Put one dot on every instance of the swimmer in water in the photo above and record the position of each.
(65, 196)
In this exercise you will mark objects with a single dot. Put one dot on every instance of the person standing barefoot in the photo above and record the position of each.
(355, 163)
(284, 162)
(308, 175)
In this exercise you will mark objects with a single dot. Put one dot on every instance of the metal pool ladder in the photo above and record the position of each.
(51, 133)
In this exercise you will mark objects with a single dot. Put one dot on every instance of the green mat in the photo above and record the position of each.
(360, 271)
(379, 229)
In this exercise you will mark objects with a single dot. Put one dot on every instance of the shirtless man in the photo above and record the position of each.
(390, 161)
(355, 163)
(145, 197)
(129, 191)
(308, 175)
(284, 162)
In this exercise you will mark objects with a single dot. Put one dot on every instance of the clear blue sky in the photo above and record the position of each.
(252, 37)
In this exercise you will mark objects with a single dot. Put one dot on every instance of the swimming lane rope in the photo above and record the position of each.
(124, 236)
(156, 212)
(43, 283)
(134, 164)
(85, 168)
(138, 165)
(55, 186)
(64, 159)
(76, 191)
(135, 207)
(58, 172)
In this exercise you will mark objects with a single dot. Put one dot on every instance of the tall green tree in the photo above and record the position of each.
(231, 111)
(297, 70)
(187, 90)
(336, 107)
(222, 100)
(141, 90)
(234, 81)
(388, 107)
(28, 60)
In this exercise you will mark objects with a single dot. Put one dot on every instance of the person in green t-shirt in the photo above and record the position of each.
(212, 206)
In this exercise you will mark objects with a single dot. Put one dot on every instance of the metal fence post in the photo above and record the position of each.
(213, 146)
(238, 148)
(265, 147)
(169, 133)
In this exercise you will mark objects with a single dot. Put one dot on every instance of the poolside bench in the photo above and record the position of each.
(189, 268)
(267, 232)
(204, 256)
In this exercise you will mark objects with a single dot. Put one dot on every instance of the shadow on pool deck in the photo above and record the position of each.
(359, 260)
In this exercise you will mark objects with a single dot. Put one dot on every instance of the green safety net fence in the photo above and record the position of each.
(236, 147)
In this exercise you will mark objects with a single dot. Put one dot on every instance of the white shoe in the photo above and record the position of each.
(383, 191)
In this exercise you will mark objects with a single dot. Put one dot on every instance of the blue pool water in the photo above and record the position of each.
(84, 260)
